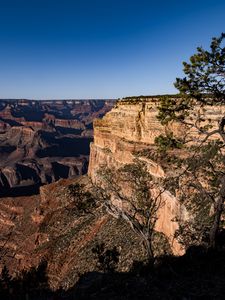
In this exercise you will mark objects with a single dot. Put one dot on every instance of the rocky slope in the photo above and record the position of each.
(43, 141)
(48, 227)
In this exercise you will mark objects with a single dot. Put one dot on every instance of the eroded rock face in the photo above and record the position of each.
(125, 130)
(132, 126)
(43, 141)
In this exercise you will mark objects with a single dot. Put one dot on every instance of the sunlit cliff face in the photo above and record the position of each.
(130, 127)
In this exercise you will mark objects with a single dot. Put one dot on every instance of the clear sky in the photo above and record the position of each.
(100, 48)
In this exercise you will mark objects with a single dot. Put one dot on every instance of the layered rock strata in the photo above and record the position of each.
(43, 141)
(131, 126)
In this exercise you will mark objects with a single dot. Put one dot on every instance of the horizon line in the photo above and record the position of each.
(85, 99)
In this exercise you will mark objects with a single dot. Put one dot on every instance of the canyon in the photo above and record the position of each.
(43, 141)
(48, 227)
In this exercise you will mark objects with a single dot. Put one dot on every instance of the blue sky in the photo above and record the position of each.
(52, 49)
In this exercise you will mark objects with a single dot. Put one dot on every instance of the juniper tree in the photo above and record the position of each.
(83, 201)
(196, 173)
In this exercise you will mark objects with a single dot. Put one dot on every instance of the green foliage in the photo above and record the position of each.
(83, 201)
(197, 176)
(107, 259)
(196, 180)
(173, 109)
(167, 142)
(205, 74)
(204, 83)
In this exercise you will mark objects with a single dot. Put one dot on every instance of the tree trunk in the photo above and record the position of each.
(220, 204)
(221, 128)
(217, 217)
(148, 246)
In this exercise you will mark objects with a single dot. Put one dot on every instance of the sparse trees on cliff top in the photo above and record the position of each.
(197, 170)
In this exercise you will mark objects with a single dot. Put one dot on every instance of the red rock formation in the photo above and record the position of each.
(39, 135)
(6, 113)
(34, 125)
(4, 126)
(70, 124)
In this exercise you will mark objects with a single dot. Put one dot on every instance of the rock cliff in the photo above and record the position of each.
(132, 126)
(126, 129)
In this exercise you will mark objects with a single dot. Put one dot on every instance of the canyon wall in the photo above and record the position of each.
(126, 129)
(131, 126)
